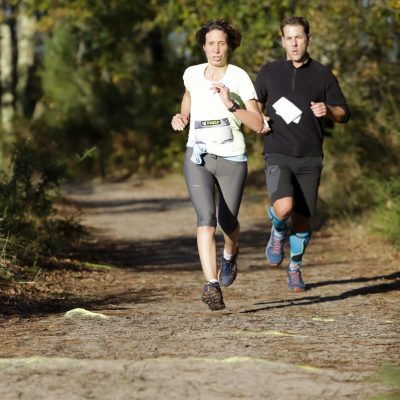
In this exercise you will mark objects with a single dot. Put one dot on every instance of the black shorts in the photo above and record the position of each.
(296, 177)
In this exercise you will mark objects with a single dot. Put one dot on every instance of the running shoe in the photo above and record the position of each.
(295, 281)
(274, 249)
(228, 271)
(212, 296)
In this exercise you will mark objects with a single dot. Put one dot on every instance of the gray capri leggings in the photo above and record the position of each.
(215, 172)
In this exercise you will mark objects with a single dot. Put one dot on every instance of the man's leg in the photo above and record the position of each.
(278, 213)
(298, 239)
(307, 172)
(280, 190)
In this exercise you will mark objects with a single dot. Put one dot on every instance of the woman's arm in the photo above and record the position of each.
(250, 116)
(179, 121)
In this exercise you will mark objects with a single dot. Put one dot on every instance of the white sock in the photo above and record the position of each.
(294, 266)
(213, 280)
(228, 256)
(279, 234)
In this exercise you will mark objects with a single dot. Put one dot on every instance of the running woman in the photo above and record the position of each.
(299, 93)
(218, 98)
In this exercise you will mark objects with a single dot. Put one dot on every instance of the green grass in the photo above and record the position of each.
(389, 374)
(98, 267)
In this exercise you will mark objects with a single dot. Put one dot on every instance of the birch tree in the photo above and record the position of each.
(6, 67)
(26, 51)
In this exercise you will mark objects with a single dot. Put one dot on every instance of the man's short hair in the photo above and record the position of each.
(296, 21)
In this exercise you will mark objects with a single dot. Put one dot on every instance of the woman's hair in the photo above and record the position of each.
(232, 33)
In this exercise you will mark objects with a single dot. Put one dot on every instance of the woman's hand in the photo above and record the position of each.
(179, 122)
(223, 92)
(266, 128)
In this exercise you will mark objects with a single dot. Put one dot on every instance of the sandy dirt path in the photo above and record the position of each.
(158, 341)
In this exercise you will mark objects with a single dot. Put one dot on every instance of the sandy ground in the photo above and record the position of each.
(155, 339)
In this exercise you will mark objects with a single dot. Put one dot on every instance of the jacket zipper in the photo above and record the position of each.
(294, 79)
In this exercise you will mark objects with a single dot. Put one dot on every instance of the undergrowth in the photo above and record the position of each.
(30, 228)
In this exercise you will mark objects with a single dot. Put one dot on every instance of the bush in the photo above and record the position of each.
(27, 195)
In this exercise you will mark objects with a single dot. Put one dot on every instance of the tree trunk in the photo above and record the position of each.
(6, 75)
(25, 63)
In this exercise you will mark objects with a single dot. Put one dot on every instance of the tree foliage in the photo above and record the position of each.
(110, 76)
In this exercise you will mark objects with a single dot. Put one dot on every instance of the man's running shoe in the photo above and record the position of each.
(228, 271)
(212, 296)
(295, 281)
(274, 249)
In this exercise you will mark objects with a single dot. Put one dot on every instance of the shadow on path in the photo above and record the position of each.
(25, 307)
(363, 291)
(395, 275)
(153, 205)
(171, 254)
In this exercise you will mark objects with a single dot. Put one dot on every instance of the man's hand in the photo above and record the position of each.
(179, 122)
(319, 109)
(335, 113)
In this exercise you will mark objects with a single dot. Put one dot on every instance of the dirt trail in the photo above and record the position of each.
(159, 340)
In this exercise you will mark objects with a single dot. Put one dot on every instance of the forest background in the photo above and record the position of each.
(88, 88)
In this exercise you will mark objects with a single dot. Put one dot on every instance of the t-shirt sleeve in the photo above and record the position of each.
(188, 78)
(246, 88)
(334, 95)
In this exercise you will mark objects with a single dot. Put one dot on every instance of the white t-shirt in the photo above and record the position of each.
(207, 107)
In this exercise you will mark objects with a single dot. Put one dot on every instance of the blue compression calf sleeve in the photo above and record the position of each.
(298, 243)
(279, 225)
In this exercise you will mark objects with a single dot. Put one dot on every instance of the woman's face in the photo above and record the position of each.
(216, 48)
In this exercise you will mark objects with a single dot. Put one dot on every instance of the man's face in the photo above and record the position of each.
(295, 42)
(216, 48)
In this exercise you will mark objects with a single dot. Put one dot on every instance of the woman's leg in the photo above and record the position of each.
(200, 181)
(207, 251)
(231, 177)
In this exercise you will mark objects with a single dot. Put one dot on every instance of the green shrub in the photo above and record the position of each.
(385, 216)
(29, 221)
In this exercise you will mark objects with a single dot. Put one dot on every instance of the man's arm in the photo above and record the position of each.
(179, 121)
(336, 107)
(335, 113)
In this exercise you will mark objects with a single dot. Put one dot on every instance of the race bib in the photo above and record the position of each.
(213, 131)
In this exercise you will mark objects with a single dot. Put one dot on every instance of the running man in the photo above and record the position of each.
(299, 93)
(218, 99)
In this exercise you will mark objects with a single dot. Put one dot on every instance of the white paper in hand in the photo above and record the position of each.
(287, 110)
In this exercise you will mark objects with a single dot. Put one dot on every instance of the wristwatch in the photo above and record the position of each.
(235, 106)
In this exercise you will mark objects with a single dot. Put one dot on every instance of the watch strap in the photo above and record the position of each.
(235, 106)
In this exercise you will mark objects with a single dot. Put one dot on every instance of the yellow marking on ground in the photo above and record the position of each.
(97, 266)
(239, 359)
(309, 368)
(81, 312)
(7, 362)
(226, 360)
(323, 319)
(268, 333)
